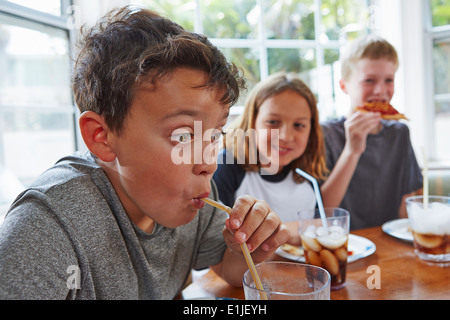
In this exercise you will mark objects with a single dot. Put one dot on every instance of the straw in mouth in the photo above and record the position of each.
(245, 251)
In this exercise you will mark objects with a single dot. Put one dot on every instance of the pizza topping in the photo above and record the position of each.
(387, 110)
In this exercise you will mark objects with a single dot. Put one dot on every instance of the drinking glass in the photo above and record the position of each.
(326, 246)
(288, 281)
(430, 225)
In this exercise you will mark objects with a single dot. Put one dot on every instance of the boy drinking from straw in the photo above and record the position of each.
(124, 221)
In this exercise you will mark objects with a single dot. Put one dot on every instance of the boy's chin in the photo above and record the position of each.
(186, 216)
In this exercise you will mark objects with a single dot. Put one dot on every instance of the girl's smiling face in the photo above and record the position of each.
(283, 125)
(149, 183)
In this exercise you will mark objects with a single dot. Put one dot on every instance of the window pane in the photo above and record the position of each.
(441, 125)
(180, 11)
(332, 101)
(441, 59)
(300, 61)
(342, 19)
(36, 111)
(35, 140)
(37, 65)
(248, 60)
(48, 6)
(230, 19)
(440, 10)
(289, 19)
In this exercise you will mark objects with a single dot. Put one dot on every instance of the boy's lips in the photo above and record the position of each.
(197, 202)
(377, 100)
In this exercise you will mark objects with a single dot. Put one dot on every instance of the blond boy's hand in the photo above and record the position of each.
(253, 222)
(357, 128)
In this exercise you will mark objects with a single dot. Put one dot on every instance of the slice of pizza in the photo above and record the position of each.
(387, 111)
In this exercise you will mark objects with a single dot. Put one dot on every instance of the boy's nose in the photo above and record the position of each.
(205, 168)
(380, 88)
(208, 163)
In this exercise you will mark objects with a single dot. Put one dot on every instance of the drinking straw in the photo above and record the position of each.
(425, 179)
(245, 251)
(323, 217)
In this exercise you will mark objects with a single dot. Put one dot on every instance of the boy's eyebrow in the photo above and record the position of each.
(189, 113)
(178, 113)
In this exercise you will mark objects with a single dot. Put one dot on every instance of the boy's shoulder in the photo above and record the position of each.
(337, 122)
(395, 128)
(395, 125)
(334, 126)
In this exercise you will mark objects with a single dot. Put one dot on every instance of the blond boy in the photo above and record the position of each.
(372, 159)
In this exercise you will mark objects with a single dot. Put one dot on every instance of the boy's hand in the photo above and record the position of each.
(253, 222)
(357, 128)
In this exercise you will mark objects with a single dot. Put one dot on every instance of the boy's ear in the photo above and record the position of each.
(343, 86)
(95, 134)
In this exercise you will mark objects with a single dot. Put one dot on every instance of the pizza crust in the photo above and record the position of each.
(388, 112)
(296, 251)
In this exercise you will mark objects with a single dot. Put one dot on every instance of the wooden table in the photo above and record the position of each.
(402, 275)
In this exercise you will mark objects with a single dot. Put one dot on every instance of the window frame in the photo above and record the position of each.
(58, 22)
(263, 45)
(431, 36)
(19, 11)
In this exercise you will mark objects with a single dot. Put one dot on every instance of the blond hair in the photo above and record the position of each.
(370, 47)
(313, 159)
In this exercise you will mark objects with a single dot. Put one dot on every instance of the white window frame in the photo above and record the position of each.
(432, 35)
(263, 44)
(400, 21)
(47, 19)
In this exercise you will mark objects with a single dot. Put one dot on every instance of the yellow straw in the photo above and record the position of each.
(245, 251)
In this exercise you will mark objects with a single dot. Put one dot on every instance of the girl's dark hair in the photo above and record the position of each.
(132, 45)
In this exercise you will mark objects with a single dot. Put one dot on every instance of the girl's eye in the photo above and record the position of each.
(272, 122)
(184, 137)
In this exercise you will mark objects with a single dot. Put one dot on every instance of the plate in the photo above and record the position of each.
(359, 246)
(398, 228)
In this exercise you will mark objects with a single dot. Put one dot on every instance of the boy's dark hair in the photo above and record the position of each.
(133, 45)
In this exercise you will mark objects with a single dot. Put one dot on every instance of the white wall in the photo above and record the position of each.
(92, 10)
(402, 23)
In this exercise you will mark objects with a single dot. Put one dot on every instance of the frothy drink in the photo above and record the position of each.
(327, 249)
(430, 227)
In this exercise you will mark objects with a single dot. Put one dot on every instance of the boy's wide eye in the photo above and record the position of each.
(217, 135)
(184, 137)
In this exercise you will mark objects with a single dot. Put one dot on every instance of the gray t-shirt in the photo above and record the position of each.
(68, 237)
(386, 171)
